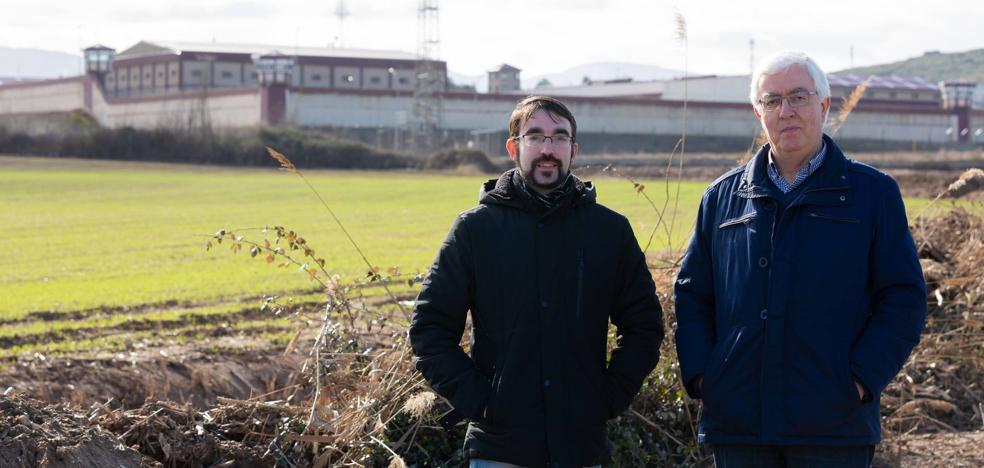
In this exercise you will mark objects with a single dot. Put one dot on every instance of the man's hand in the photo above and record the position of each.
(860, 390)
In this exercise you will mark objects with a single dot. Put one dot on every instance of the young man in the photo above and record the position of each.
(543, 268)
(801, 294)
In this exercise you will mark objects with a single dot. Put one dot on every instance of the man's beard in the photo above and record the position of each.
(530, 175)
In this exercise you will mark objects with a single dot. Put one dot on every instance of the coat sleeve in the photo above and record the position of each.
(898, 295)
(694, 296)
(638, 319)
(438, 323)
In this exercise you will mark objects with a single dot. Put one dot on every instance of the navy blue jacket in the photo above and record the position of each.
(542, 286)
(780, 316)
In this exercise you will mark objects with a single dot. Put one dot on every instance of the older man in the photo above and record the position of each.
(801, 295)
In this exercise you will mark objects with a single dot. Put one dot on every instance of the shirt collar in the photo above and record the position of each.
(808, 169)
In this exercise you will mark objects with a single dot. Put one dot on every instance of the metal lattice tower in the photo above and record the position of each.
(341, 13)
(430, 80)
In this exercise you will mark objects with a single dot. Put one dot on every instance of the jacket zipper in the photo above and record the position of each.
(580, 284)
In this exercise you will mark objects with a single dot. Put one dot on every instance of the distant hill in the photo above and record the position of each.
(36, 63)
(933, 66)
(574, 75)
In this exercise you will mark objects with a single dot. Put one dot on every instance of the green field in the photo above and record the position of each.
(83, 235)
(103, 244)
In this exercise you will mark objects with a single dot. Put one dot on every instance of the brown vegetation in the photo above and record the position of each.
(347, 394)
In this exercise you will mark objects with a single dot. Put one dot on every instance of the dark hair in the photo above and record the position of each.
(530, 105)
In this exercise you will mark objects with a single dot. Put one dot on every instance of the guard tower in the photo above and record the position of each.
(274, 73)
(98, 61)
(957, 98)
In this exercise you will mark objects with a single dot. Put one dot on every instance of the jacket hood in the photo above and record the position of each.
(504, 191)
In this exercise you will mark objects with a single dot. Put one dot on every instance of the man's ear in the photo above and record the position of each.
(825, 105)
(755, 109)
(573, 151)
(511, 148)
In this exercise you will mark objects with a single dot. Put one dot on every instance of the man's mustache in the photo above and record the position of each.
(546, 158)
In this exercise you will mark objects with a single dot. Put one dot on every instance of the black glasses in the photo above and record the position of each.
(537, 140)
(795, 99)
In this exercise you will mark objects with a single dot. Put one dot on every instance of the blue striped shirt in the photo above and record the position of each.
(801, 175)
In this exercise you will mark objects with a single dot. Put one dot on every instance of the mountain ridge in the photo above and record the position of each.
(933, 66)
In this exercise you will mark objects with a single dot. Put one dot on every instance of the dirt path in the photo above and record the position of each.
(944, 450)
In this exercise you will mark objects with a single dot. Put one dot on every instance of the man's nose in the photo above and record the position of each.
(785, 108)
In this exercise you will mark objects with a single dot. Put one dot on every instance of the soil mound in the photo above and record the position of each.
(131, 379)
(34, 435)
(232, 434)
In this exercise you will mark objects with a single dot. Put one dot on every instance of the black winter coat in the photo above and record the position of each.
(542, 286)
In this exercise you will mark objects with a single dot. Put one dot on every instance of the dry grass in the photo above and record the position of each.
(970, 181)
(848, 106)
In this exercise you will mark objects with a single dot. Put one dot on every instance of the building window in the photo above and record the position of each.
(160, 74)
(915, 95)
(375, 80)
(315, 77)
(253, 76)
(147, 76)
(227, 75)
(174, 73)
(196, 73)
(403, 80)
(891, 94)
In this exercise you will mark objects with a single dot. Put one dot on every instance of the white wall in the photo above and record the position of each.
(716, 89)
(240, 108)
(227, 110)
(897, 126)
(58, 96)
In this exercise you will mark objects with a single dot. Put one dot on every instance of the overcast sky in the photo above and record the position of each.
(538, 36)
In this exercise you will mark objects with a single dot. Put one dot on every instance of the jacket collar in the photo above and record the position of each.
(827, 186)
(504, 191)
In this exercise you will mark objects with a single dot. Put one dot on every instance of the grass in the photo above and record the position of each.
(127, 235)
(120, 242)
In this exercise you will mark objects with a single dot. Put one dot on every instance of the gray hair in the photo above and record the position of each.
(784, 60)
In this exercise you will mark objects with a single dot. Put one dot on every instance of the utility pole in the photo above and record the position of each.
(429, 81)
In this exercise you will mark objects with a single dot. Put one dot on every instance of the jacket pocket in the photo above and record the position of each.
(836, 219)
(731, 391)
(579, 291)
(590, 397)
(820, 404)
(721, 353)
(744, 219)
(490, 405)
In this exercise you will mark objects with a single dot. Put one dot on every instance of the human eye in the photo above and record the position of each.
(534, 139)
(561, 139)
(798, 98)
(771, 102)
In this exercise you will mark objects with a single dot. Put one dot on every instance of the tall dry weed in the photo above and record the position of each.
(848, 106)
(970, 181)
